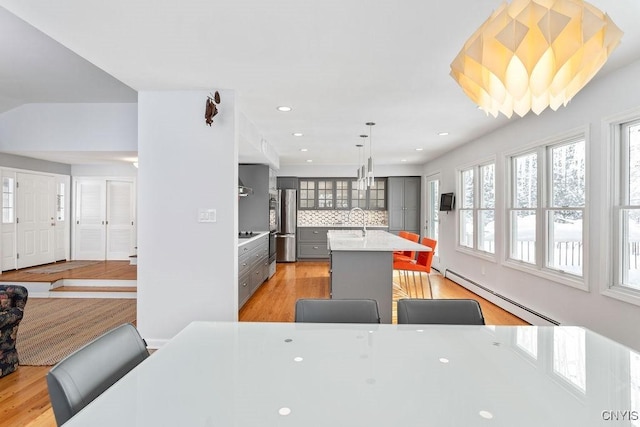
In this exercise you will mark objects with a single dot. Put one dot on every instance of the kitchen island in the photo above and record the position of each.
(362, 266)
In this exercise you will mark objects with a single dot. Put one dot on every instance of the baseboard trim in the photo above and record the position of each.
(506, 303)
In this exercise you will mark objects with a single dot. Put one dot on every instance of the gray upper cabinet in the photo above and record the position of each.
(253, 210)
(288, 182)
(340, 194)
(404, 204)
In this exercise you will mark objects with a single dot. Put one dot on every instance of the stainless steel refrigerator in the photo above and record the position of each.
(287, 220)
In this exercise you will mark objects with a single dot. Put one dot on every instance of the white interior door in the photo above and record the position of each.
(34, 219)
(432, 206)
(90, 220)
(104, 226)
(120, 220)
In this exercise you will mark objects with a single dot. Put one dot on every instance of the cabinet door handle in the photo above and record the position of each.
(244, 285)
(315, 247)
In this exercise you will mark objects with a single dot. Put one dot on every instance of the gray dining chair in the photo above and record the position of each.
(337, 311)
(440, 312)
(82, 376)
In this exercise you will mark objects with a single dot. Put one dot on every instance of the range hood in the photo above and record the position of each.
(242, 190)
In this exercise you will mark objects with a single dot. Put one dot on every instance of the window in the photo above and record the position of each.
(547, 205)
(477, 208)
(8, 200)
(628, 229)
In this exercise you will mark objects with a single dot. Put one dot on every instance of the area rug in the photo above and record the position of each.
(63, 266)
(53, 328)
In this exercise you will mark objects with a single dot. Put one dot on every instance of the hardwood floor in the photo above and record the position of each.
(24, 399)
(275, 300)
(113, 270)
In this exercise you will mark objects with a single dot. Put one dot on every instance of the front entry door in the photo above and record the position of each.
(35, 219)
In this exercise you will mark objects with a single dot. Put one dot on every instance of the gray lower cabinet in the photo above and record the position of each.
(253, 267)
(403, 201)
(312, 243)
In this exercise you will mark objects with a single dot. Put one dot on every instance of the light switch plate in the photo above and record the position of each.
(206, 215)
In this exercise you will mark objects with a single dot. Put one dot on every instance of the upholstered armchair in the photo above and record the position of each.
(13, 298)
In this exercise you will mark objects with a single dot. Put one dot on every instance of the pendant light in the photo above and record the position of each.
(360, 177)
(370, 176)
(534, 54)
(362, 183)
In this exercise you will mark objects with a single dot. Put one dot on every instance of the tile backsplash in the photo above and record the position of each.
(308, 218)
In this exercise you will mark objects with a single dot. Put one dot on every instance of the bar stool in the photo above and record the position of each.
(421, 265)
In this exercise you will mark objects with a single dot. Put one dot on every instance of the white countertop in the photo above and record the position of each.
(374, 240)
(296, 374)
(251, 239)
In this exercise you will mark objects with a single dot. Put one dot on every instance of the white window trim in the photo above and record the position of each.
(479, 253)
(611, 212)
(567, 279)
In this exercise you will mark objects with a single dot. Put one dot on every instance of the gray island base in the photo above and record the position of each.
(362, 266)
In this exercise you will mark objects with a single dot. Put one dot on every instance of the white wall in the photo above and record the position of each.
(186, 270)
(70, 127)
(115, 170)
(28, 163)
(311, 171)
(609, 95)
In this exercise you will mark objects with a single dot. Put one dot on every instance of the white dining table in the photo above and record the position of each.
(294, 374)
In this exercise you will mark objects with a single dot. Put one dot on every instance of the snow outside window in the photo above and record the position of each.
(545, 227)
(476, 214)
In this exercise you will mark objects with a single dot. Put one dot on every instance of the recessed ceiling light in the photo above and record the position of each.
(486, 415)
(443, 133)
(419, 149)
(309, 160)
(403, 160)
(297, 134)
(304, 149)
(284, 108)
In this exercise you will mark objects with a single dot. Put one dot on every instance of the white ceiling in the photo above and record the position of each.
(337, 63)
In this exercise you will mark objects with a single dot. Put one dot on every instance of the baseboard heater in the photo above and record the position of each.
(522, 311)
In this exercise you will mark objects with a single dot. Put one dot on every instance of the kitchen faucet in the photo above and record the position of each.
(364, 219)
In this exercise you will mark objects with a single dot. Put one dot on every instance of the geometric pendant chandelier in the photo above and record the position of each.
(534, 54)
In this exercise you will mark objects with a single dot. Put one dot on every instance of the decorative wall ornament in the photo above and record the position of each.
(534, 54)
(211, 109)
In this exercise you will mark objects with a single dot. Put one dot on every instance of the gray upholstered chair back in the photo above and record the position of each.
(85, 374)
(337, 311)
(440, 311)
